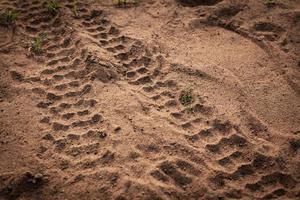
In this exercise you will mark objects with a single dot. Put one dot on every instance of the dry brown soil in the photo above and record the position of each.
(166, 99)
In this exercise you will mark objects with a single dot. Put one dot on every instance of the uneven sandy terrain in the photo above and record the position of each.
(166, 99)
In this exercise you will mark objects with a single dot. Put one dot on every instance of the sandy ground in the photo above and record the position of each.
(166, 99)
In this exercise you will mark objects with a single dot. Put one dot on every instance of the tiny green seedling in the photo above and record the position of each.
(9, 18)
(37, 44)
(119, 2)
(74, 9)
(125, 2)
(53, 7)
(186, 97)
(270, 2)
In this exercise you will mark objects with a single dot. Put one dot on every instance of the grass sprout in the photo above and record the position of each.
(53, 6)
(186, 97)
(125, 2)
(9, 18)
(37, 44)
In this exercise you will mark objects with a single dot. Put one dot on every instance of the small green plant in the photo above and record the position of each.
(270, 2)
(186, 97)
(9, 18)
(119, 2)
(53, 7)
(125, 2)
(74, 9)
(37, 44)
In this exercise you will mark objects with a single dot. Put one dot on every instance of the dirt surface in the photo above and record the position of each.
(165, 99)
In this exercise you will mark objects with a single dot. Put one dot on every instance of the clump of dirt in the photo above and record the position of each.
(26, 183)
(102, 70)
